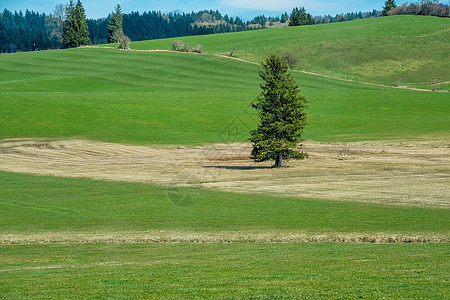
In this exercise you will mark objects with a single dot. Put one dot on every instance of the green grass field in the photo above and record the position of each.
(405, 50)
(33, 206)
(80, 238)
(36, 204)
(172, 98)
(225, 271)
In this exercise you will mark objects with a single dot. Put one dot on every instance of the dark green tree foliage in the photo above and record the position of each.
(34, 31)
(388, 5)
(115, 30)
(24, 32)
(281, 112)
(424, 7)
(76, 31)
(83, 31)
(299, 17)
(54, 23)
(260, 20)
(346, 17)
(69, 26)
(98, 31)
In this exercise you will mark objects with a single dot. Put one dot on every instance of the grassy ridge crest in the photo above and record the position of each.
(396, 50)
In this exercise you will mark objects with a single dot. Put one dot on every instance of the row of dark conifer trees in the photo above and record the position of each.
(32, 31)
(75, 28)
(67, 26)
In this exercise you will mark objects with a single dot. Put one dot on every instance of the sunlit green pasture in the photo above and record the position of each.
(174, 98)
(84, 234)
(397, 50)
(225, 271)
(32, 205)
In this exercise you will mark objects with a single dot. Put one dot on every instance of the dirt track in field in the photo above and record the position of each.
(392, 174)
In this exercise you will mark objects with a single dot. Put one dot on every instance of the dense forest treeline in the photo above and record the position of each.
(32, 31)
(156, 25)
(424, 8)
(24, 32)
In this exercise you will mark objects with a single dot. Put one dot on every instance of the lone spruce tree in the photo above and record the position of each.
(281, 112)
(115, 31)
(388, 5)
(299, 17)
(75, 27)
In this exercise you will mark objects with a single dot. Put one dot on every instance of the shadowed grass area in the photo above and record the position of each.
(172, 98)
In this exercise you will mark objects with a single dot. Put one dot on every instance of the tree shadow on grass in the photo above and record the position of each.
(242, 168)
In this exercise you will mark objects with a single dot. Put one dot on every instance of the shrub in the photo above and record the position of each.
(180, 46)
(233, 51)
(291, 59)
(116, 36)
(198, 49)
(124, 42)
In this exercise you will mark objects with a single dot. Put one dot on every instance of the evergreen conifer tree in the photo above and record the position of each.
(281, 111)
(76, 31)
(83, 31)
(388, 5)
(299, 17)
(115, 30)
(69, 26)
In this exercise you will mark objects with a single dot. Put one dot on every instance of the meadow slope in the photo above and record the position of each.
(396, 50)
(174, 98)
(356, 220)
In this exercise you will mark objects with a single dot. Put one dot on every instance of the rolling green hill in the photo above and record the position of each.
(396, 50)
(80, 238)
(175, 98)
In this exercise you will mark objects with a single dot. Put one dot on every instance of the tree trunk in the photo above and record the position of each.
(279, 162)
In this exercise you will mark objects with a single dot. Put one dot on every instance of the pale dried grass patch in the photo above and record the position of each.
(176, 237)
(386, 173)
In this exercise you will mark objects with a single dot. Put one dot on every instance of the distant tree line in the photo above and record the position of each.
(388, 5)
(300, 17)
(25, 32)
(32, 31)
(157, 25)
(347, 17)
(75, 29)
(424, 7)
(65, 27)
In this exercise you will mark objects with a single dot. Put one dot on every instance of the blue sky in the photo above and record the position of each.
(246, 9)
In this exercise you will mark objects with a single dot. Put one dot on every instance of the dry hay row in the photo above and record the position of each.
(212, 238)
(68, 266)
